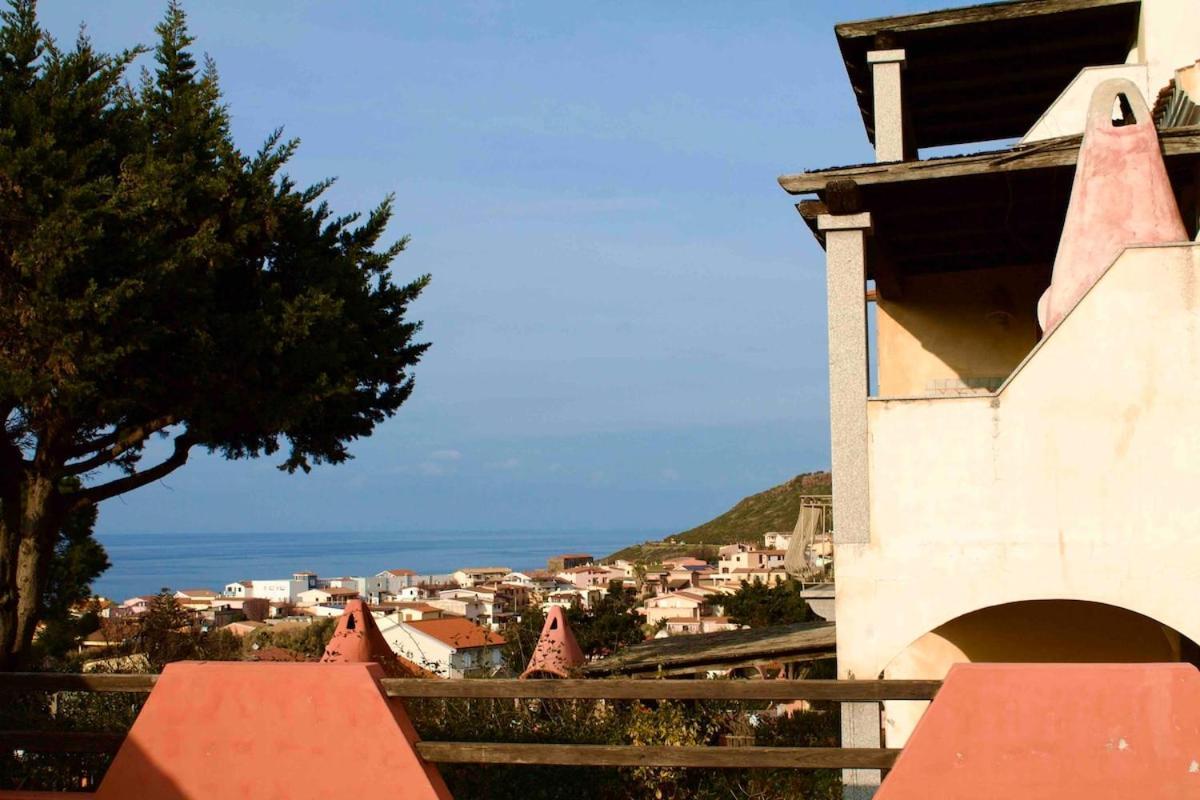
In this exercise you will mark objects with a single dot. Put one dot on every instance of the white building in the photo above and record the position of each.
(450, 647)
(331, 596)
(370, 588)
(283, 590)
(409, 594)
(398, 579)
(777, 540)
(239, 589)
(687, 606)
(473, 576)
(468, 608)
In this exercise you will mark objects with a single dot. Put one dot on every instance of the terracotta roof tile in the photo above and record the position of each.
(457, 632)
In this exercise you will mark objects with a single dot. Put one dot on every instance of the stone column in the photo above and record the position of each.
(889, 106)
(846, 280)
(845, 254)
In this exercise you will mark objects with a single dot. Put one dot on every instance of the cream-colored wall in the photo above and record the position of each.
(1077, 480)
(1168, 39)
(955, 327)
(1067, 115)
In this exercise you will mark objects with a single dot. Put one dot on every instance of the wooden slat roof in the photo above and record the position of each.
(987, 72)
(724, 650)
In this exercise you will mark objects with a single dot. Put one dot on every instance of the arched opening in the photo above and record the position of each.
(1040, 631)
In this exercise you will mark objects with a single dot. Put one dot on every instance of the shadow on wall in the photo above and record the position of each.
(152, 782)
(957, 333)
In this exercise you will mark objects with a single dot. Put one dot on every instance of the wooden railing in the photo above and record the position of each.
(522, 753)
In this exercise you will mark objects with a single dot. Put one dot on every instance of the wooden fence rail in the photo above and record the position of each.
(603, 755)
(72, 682)
(586, 689)
(542, 754)
(649, 689)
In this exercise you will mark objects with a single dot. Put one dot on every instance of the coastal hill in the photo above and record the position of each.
(774, 509)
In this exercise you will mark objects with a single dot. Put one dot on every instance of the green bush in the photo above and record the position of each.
(703, 723)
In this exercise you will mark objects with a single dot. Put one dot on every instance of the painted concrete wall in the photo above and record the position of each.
(1067, 115)
(952, 331)
(1077, 480)
(234, 730)
(1168, 39)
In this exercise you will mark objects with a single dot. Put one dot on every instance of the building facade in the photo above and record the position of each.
(1001, 493)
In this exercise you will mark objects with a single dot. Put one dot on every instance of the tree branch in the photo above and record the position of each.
(112, 445)
(179, 457)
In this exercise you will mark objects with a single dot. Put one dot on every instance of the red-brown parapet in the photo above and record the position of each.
(1055, 732)
(230, 730)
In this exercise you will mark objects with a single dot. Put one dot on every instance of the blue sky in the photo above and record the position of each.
(627, 314)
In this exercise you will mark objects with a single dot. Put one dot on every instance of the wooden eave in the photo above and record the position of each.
(987, 72)
(677, 655)
(991, 209)
(1059, 152)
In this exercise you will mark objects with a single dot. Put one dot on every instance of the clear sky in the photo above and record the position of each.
(627, 314)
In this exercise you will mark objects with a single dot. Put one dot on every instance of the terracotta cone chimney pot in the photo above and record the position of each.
(357, 640)
(557, 653)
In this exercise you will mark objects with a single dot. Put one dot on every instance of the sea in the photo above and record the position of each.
(144, 563)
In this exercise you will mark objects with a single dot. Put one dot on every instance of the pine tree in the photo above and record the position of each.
(156, 281)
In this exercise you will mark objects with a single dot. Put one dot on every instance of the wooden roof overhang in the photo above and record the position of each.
(687, 655)
(987, 72)
(992, 209)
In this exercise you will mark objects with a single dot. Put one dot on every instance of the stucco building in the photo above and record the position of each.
(1000, 493)
(450, 647)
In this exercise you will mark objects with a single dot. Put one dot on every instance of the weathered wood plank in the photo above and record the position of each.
(71, 682)
(597, 755)
(61, 741)
(760, 645)
(692, 669)
(642, 689)
(969, 15)
(1061, 152)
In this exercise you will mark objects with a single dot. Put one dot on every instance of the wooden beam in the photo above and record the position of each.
(601, 755)
(61, 741)
(700, 669)
(811, 209)
(1052, 153)
(970, 15)
(643, 689)
(72, 682)
(842, 197)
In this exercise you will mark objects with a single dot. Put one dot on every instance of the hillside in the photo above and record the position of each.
(775, 509)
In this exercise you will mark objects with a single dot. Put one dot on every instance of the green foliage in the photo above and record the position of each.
(307, 640)
(758, 605)
(609, 625)
(521, 638)
(168, 632)
(156, 280)
(650, 723)
(775, 509)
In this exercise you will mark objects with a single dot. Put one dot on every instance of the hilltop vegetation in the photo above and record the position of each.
(775, 509)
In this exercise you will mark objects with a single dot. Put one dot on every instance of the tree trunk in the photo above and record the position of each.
(29, 524)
